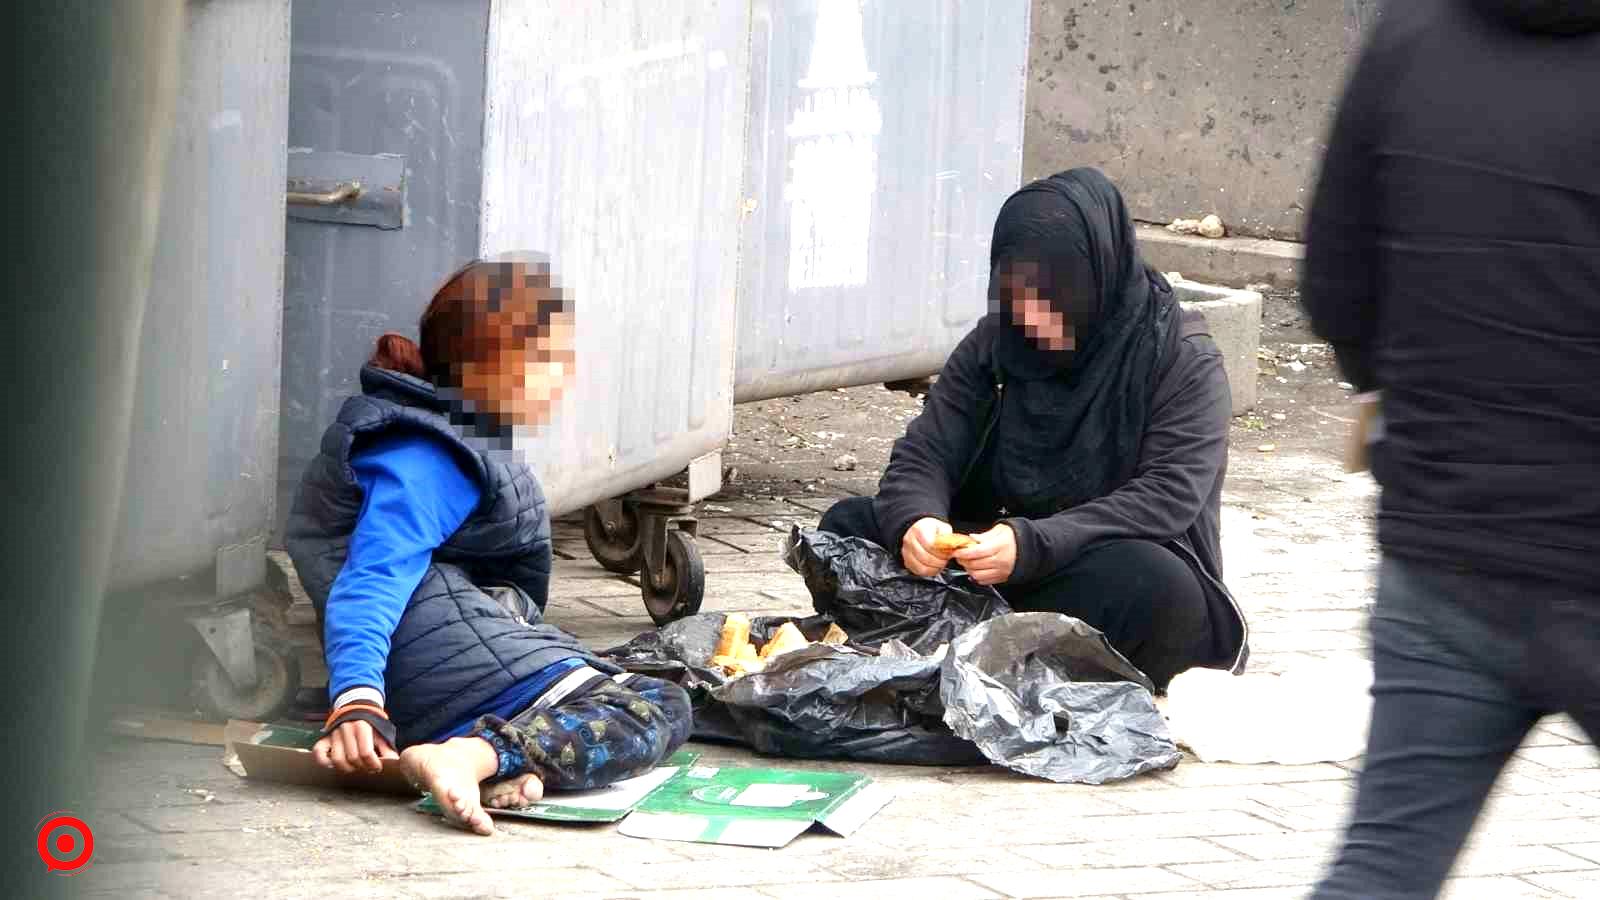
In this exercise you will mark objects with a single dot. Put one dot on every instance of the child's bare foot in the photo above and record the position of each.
(451, 772)
(513, 793)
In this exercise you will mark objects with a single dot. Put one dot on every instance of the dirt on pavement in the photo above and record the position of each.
(793, 446)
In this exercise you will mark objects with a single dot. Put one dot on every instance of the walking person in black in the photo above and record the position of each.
(1080, 433)
(1453, 261)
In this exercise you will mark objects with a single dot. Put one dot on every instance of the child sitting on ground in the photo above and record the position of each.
(425, 549)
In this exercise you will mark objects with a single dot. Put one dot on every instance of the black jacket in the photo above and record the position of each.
(941, 469)
(1453, 260)
(455, 648)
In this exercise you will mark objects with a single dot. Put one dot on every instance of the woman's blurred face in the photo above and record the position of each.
(517, 370)
(1026, 297)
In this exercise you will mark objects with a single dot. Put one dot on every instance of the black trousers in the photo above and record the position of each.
(1142, 596)
(1455, 691)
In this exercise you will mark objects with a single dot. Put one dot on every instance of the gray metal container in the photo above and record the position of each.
(884, 137)
(609, 136)
(199, 489)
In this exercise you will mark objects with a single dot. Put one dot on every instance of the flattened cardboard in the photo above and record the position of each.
(155, 725)
(755, 807)
(607, 804)
(283, 753)
(682, 801)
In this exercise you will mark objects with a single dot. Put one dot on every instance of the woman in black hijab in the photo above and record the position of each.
(1080, 434)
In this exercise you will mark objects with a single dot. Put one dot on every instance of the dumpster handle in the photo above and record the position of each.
(348, 191)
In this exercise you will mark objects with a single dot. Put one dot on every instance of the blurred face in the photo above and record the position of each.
(517, 368)
(1026, 297)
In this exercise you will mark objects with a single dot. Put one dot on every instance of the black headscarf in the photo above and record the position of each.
(1071, 422)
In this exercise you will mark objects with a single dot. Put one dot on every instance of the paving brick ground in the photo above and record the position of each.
(1300, 555)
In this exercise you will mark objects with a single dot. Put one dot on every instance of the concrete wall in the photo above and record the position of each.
(1192, 106)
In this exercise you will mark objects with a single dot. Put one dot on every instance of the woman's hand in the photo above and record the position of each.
(916, 548)
(353, 747)
(992, 559)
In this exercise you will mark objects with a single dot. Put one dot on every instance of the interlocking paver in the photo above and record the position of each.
(1486, 860)
(1572, 756)
(1086, 882)
(1254, 873)
(1294, 893)
(1589, 851)
(1127, 853)
(1284, 845)
(908, 862)
(1494, 888)
(1581, 885)
(775, 869)
(951, 888)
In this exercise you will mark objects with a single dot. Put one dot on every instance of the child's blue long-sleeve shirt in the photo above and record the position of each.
(415, 495)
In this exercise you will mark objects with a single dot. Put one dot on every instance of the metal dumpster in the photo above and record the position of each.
(199, 488)
(609, 136)
(884, 136)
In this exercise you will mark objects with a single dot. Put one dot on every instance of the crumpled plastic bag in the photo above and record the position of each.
(874, 599)
(822, 702)
(835, 702)
(1047, 695)
(937, 671)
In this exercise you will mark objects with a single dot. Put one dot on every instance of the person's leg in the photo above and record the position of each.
(1443, 725)
(611, 730)
(1567, 647)
(1142, 596)
(852, 517)
(616, 729)
(451, 771)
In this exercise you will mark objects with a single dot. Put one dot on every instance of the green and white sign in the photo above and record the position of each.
(754, 807)
(684, 801)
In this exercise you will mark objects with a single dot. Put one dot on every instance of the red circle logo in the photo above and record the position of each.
(65, 843)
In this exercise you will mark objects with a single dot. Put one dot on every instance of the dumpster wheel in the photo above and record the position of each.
(677, 591)
(277, 683)
(611, 529)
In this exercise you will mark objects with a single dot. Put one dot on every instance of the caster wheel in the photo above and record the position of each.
(682, 585)
(277, 684)
(614, 538)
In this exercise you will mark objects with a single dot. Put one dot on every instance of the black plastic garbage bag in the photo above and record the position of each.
(823, 702)
(835, 702)
(1046, 695)
(938, 671)
(873, 598)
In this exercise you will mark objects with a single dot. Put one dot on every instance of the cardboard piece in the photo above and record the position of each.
(755, 807)
(607, 804)
(682, 801)
(282, 753)
(150, 725)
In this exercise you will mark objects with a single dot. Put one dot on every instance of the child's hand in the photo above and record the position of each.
(353, 747)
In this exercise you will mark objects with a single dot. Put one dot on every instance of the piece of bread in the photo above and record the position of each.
(835, 635)
(787, 638)
(738, 666)
(735, 634)
(747, 653)
(950, 543)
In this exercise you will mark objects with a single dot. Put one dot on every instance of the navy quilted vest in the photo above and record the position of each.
(456, 648)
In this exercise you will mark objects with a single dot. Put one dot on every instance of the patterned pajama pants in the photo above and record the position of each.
(610, 730)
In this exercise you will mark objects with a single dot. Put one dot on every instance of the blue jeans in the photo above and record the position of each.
(1464, 666)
